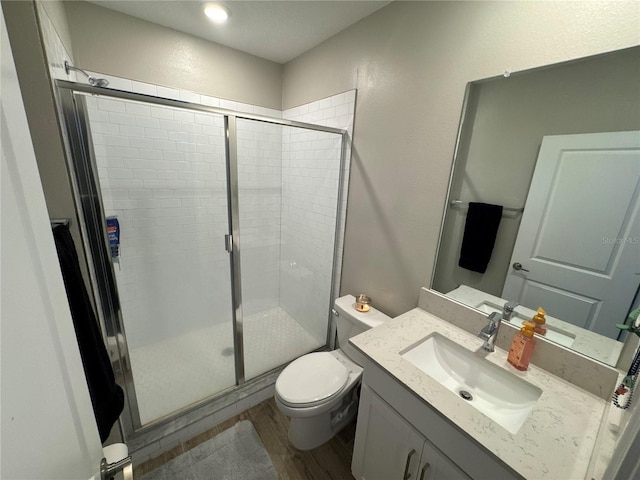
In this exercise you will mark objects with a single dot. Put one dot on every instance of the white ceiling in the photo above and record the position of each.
(276, 30)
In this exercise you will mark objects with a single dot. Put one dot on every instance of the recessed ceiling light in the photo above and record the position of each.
(216, 13)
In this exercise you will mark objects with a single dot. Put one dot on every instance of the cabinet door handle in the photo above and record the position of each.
(407, 475)
(424, 471)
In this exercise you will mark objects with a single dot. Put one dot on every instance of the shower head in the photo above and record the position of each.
(94, 82)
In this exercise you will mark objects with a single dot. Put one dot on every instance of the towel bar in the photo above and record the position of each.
(460, 203)
(60, 221)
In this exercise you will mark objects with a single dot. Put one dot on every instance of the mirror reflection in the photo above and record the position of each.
(544, 201)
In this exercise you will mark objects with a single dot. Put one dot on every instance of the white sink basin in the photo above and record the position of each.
(500, 395)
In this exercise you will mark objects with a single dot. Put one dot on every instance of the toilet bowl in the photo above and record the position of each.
(319, 391)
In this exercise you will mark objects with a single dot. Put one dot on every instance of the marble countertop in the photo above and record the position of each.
(557, 439)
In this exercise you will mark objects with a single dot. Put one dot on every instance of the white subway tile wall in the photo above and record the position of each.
(310, 177)
(281, 266)
(260, 199)
(162, 173)
(56, 52)
(311, 167)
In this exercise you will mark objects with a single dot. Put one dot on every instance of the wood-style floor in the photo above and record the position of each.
(331, 461)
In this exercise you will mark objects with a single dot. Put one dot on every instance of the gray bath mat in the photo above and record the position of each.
(235, 454)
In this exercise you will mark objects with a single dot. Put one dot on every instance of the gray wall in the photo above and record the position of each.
(116, 44)
(410, 62)
(511, 116)
(35, 83)
(57, 13)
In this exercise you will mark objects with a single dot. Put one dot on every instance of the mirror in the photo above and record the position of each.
(567, 210)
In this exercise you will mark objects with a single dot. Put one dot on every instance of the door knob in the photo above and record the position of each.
(518, 266)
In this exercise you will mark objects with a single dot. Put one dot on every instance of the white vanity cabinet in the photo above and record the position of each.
(402, 405)
(393, 422)
(388, 447)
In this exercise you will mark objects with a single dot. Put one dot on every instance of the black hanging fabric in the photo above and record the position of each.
(106, 396)
(480, 230)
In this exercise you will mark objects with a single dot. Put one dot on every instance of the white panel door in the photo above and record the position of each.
(48, 427)
(580, 233)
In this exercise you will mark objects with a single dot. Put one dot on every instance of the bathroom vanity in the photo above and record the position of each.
(412, 426)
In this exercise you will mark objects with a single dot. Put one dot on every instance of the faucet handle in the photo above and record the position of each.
(509, 306)
(495, 317)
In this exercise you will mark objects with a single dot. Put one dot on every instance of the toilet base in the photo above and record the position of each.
(307, 433)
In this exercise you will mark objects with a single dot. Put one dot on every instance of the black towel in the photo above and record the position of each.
(480, 232)
(106, 396)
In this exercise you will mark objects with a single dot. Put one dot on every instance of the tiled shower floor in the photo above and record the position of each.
(177, 372)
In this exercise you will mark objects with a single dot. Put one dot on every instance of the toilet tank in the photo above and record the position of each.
(350, 322)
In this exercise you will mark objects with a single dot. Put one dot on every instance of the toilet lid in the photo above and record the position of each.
(311, 379)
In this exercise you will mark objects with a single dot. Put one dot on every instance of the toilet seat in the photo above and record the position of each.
(311, 379)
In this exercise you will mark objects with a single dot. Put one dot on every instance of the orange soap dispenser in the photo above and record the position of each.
(540, 325)
(522, 347)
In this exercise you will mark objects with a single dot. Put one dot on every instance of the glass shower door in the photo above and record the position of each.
(288, 179)
(161, 174)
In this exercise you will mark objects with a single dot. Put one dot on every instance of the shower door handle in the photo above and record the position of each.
(228, 243)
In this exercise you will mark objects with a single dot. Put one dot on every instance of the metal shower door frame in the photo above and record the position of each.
(91, 219)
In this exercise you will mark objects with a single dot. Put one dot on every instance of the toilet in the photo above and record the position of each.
(319, 391)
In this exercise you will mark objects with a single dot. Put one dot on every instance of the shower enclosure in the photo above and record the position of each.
(210, 237)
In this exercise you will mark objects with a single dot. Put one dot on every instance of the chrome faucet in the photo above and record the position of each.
(508, 310)
(489, 332)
